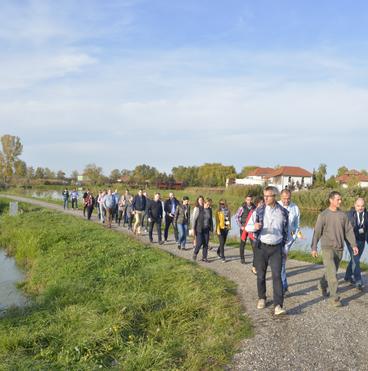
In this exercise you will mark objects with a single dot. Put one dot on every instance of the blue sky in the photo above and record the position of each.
(167, 83)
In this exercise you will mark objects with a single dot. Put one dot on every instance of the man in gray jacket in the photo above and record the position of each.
(332, 228)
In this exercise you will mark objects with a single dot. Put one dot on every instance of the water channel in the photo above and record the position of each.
(9, 276)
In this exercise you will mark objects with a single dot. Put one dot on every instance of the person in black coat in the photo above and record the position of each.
(170, 207)
(203, 227)
(155, 214)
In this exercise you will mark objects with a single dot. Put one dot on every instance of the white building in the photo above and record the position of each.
(291, 177)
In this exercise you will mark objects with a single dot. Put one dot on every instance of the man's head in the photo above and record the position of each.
(185, 200)
(335, 199)
(171, 195)
(269, 194)
(248, 200)
(145, 194)
(258, 201)
(140, 192)
(359, 205)
(109, 192)
(157, 196)
(285, 197)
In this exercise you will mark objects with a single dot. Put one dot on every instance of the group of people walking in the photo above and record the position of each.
(271, 226)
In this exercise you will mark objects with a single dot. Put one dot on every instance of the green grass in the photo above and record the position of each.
(101, 300)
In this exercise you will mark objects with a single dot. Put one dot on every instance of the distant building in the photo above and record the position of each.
(351, 177)
(291, 177)
(257, 176)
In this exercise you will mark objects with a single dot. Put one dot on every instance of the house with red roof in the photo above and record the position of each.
(353, 177)
(292, 177)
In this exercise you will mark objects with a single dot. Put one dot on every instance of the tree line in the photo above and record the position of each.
(13, 170)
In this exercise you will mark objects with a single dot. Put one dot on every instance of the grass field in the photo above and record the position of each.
(102, 300)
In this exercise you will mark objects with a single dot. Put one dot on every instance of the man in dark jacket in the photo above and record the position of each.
(170, 207)
(203, 227)
(155, 212)
(138, 206)
(359, 219)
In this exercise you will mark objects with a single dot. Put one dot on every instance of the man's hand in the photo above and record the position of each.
(355, 250)
(314, 254)
(257, 226)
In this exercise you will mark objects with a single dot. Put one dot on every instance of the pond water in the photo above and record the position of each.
(9, 276)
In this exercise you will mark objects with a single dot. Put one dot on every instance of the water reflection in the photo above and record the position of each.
(9, 276)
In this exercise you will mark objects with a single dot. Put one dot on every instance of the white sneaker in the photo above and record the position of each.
(261, 304)
(279, 310)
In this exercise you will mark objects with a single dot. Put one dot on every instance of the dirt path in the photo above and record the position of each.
(312, 336)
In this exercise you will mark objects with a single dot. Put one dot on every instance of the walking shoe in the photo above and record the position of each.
(194, 257)
(279, 310)
(359, 286)
(261, 304)
(223, 260)
(336, 302)
(323, 289)
(218, 253)
(205, 260)
(286, 293)
(179, 247)
(161, 243)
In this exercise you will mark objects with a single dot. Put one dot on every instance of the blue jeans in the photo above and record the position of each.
(66, 203)
(353, 269)
(283, 273)
(182, 230)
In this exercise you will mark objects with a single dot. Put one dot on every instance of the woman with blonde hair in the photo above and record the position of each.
(223, 226)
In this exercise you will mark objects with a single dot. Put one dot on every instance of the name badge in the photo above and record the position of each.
(361, 230)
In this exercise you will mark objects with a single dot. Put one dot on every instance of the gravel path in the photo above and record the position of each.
(312, 336)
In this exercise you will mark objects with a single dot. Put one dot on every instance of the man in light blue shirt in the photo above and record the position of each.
(294, 226)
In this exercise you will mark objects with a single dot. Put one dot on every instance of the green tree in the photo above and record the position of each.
(115, 175)
(320, 176)
(188, 175)
(93, 173)
(215, 174)
(20, 168)
(60, 175)
(74, 175)
(30, 172)
(11, 150)
(342, 170)
(49, 174)
(40, 173)
(332, 183)
(142, 173)
(246, 170)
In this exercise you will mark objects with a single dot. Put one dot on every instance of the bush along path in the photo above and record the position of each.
(312, 335)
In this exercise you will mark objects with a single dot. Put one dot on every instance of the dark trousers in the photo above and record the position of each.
(242, 247)
(109, 212)
(158, 228)
(115, 213)
(89, 211)
(269, 255)
(74, 203)
(222, 239)
(168, 221)
(202, 240)
(84, 209)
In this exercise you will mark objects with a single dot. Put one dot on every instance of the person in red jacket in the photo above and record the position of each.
(257, 202)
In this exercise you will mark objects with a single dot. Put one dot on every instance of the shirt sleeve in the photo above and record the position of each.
(318, 229)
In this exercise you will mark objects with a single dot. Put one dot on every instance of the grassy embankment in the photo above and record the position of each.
(101, 299)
